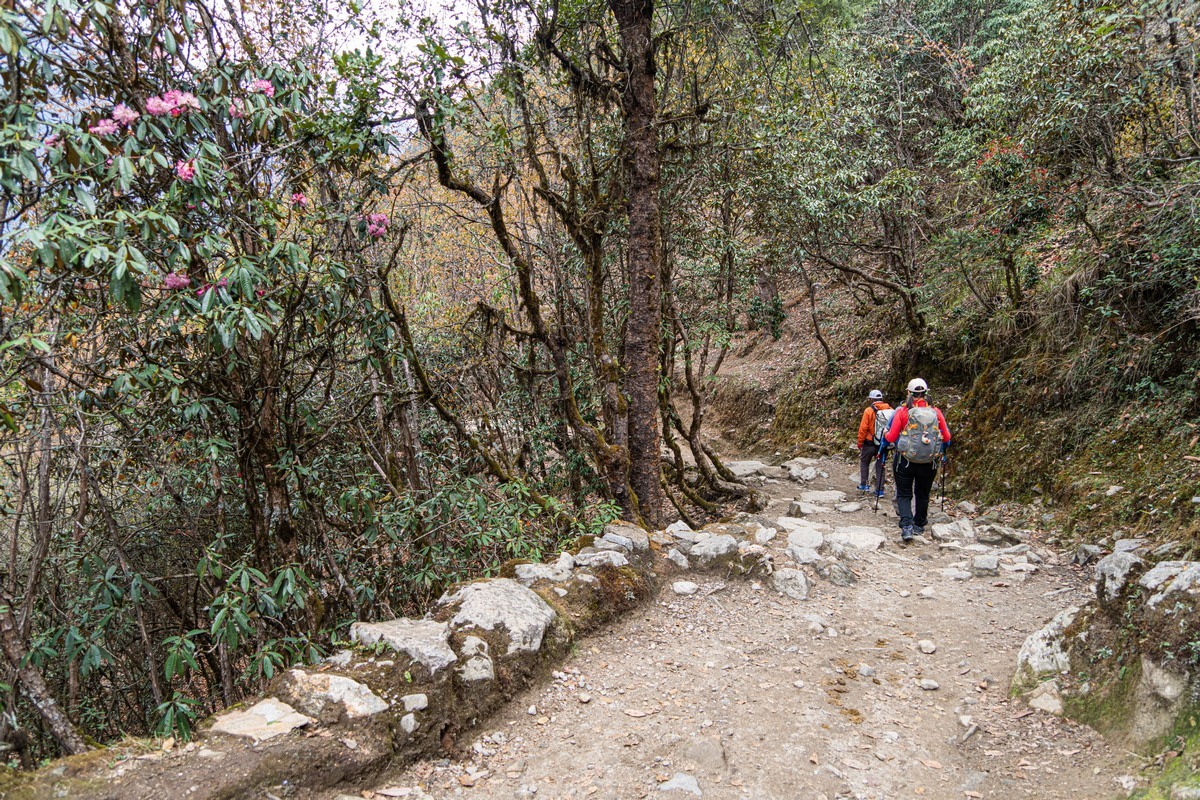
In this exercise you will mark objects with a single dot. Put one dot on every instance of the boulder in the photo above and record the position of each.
(805, 537)
(424, 641)
(765, 535)
(1185, 585)
(744, 469)
(791, 582)
(837, 573)
(560, 570)
(631, 536)
(1086, 554)
(858, 537)
(985, 565)
(1161, 573)
(605, 558)
(804, 555)
(497, 604)
(1128, 545)
(1042, 655)
(325, 696)
(714, 552)
(1112, 574)
(678, 559)
(998, 535)
(849, 508)
(1157, 700)
(684, 587)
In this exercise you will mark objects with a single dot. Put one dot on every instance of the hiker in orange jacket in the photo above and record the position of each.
(874, 424)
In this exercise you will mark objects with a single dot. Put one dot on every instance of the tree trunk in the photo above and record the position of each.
(33, 686)
(643, 167)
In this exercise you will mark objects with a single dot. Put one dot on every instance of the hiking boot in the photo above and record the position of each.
(879, 493)
(906, 534)
(862, 487)
(918, 530)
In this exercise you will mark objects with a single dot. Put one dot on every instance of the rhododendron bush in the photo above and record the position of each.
(210, 434)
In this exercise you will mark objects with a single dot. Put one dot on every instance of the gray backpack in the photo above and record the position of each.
(921, 440)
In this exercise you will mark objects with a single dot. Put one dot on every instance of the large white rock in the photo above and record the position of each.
(609, 557)
(1185, 582)
(638, 540)
(1161, 573)
(423, 640)
(502, 603)
(313, 692)
(1112, 573)
(857, 536)
(560, 570)
(711, 551)
(791, 582)
(744, 469)
(264, 720)
(803, 508)
(804, 555)
(829, 497)
(805, 537)
(1042, 655)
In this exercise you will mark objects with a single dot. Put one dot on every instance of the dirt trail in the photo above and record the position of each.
(738, 691)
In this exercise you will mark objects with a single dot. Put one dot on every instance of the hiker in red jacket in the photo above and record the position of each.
(921, 439)
(874, 424)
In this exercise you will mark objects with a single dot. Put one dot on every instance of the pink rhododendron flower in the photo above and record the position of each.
(261, 86)
(173, 102)
(105, 127)
(237, 108)
(53, 140)
(156, 106)
(299, 200)
(377, 224)
(124, 115)
(221, 284)
(186, 170)
(174, 281)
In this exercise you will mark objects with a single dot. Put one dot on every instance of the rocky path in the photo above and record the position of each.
(893, 686)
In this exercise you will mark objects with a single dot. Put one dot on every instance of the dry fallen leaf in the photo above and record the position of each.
(467, 780)
(929, 762)
(634, 712)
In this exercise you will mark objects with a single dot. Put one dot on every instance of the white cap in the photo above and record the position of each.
(917, 386)
(875, 395)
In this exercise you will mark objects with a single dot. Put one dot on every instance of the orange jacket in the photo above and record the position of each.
(866, 428)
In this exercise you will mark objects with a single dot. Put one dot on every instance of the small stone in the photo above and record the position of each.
(1113, 490)
(681, 782)
(866, 670)
(927, 593)
(684, 587)
(584, 698)
(1047, 697)
(791, 582)
(677, 558)
(798, 684)
(848, 508)
(927, 646)
(985, 565)
(409, 723)
(415, 702)
(930, 685)
(1086, 554)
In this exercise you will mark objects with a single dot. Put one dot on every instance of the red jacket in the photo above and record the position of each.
(900, 422)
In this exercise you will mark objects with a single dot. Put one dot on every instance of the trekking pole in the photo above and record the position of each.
(880, 482)
(945, 472)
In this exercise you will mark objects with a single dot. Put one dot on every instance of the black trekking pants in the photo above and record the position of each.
(865, 458)
(913, 479)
